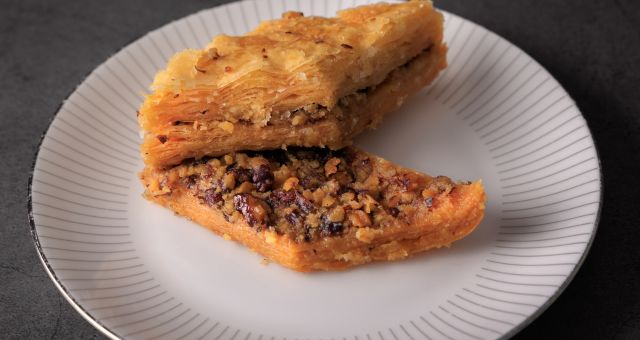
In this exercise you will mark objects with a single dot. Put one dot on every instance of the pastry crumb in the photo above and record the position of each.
(298, 120)
(226, 126)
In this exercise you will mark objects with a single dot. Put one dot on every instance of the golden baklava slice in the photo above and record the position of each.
(295, 81)
(318, 209)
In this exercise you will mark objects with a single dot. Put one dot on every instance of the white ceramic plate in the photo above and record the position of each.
(134, 270)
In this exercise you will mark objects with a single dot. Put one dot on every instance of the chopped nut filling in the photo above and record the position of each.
(307, 114)
(306, 193)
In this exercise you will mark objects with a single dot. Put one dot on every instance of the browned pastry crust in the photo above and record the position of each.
(305, 81)
(315, 209)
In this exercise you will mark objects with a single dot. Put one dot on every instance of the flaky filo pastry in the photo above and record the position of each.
(296, 81)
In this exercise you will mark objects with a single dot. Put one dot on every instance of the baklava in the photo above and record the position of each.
(295, 81)
(315, 209)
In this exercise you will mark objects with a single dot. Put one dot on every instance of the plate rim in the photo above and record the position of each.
(111, 334)
(526, 322)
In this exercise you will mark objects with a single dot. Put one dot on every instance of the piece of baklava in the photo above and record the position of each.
(296, 81)
(317, 209)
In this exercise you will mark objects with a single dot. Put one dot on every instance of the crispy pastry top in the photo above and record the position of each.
(287, 63)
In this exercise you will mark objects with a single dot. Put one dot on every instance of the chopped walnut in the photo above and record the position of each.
(337, 214)
(229, 181)
(307, 194)
(328, 201)
(347, 197)
(228, 159)
(290, 183)
(318, 196)
(245, 187)
(359, 218)
(252, 209)
(369, 204)
(331, 167)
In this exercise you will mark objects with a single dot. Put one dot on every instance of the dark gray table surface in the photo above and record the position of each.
(591, 47)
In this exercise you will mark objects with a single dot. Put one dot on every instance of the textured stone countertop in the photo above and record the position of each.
(591, 47)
